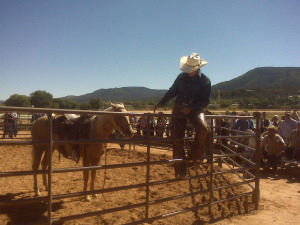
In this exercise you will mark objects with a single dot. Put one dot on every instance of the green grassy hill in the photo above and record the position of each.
(263, 77)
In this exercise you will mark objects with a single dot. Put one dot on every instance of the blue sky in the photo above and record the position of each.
(76, 47)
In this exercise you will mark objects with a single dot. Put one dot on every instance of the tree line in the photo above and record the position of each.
(241, 98)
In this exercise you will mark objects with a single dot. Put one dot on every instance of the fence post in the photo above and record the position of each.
(211, 161)
(148, 166)
(257, 159)
(50, 168)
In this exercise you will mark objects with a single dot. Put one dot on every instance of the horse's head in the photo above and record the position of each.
(121, 122)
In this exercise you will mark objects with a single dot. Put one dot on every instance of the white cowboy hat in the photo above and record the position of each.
(190, 63)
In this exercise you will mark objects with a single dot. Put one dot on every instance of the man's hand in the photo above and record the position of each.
(186, 110)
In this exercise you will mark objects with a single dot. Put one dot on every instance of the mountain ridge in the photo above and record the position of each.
(261, 77)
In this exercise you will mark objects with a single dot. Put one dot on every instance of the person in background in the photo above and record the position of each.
(152, 126)
(282, 118)
(295, 115)
(232, 124)
(143, 124)
(210, 122)
(287, 126)
(168, 128)
(192, 90)
(138, 126)
(275, 121)
(14, 123)
(242, 124)
(265, 122)
(272, 147)
(225, 132)
(251, 123)
(218, 126)
(293, 144)
(161, 125)
(7, 125)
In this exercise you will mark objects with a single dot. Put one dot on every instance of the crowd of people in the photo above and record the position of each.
(280, 136)
(10, 125)
(157, 127)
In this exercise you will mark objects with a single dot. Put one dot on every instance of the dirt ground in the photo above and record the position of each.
(279, 203)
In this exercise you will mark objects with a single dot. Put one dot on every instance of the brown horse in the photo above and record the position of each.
(98, 127)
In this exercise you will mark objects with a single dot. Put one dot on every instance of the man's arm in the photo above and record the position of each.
(171, 93)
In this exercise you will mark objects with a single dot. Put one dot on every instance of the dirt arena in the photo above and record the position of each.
(279, 204)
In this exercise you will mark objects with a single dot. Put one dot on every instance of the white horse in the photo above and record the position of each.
(99, 127)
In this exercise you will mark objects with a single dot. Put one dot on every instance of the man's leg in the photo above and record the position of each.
(178, 130)
(201, 136)
(273, 163)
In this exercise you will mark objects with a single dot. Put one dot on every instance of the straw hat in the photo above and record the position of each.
(190, 63)
(272, 127)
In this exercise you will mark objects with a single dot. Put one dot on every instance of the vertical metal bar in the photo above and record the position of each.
(257, 160)
(148, 167)
(211, 135)
(50, 168)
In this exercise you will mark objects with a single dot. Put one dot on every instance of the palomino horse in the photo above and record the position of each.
(98, 127)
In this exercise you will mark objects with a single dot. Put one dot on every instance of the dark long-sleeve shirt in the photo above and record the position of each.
(189, 91)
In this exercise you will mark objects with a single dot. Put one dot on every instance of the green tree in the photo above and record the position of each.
(66, 104)
(18, 100)
(41, 99)
(225, 103)
(84, 106)
(96, 103)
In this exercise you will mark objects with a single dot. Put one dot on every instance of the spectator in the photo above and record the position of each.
(282, 118)
(233, 121)
(143, 124)
(14, 123)
(275, 121)
(225, 132)
(272, 147)
(161, 125)
(138, 126)
(168, 128)
(133, 120)
(152, 126)
(7, 125)
(210, 122)
(287, 126)
(293, 144)
(295, 116)
(251, 123)
(242, 124)
(265, 122)
(218, 126)
(232, 124)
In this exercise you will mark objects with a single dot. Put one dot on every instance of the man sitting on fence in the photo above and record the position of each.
(272, 147)
(192, 90)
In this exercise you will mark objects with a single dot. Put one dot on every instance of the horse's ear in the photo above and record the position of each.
(114, 106)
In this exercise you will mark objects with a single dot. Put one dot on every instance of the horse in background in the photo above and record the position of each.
(95, 127)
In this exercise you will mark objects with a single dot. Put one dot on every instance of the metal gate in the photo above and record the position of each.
(219, 155)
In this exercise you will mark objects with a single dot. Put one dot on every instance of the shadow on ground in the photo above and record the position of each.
(25, 213)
